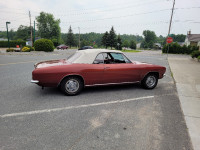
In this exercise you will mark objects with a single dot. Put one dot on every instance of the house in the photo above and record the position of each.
(138, 45)
(2, 39)
(192, 39)
(181, 43)
(29, 42)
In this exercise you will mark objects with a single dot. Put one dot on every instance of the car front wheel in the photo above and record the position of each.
(150, 81)
(72, 86)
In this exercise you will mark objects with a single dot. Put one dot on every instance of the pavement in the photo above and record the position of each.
(124, 117)
(186, 73)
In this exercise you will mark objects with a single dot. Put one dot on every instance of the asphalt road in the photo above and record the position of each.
(124, 117)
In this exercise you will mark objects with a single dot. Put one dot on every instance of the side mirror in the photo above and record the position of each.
(95, 62)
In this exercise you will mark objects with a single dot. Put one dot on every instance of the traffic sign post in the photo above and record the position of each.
(169, 40)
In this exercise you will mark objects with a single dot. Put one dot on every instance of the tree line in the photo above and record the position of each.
(48, 27)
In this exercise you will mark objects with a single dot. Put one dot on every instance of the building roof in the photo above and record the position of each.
(88, 56)
(193, 37)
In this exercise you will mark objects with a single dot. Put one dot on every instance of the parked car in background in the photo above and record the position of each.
(94, 68)
(85, 47)
(62, 47)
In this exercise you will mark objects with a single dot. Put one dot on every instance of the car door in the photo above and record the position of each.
(94, 72)
(119, 69)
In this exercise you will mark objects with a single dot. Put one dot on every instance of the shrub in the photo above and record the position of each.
(10, 50)
(195, 54)
(44, 45)
(198, 58)
(55, 42)
(12, 43)
(175, 48)
(26, 49)
(31, 48)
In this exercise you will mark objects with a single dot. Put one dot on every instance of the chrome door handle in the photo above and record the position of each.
(106, 67)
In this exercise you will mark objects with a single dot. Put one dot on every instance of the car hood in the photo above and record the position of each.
(50, 63)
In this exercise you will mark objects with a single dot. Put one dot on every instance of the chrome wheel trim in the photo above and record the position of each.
(151, 81)
(72, 85)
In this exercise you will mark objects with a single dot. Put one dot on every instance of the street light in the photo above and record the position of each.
(7, 33)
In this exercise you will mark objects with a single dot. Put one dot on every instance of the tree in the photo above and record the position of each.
(119, 43)
(85, 43)
(105, 39)
(178, 37)
(70, 38)
(149, 39)
(133, 44)
(126, 44)
(48, 26)
(23, 32)
(112, 38)
(149, 36)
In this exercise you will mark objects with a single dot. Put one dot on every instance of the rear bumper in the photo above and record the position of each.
(34, 81)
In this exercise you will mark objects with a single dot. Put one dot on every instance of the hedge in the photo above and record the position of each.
(12, 43)
(195, 54)
(175, 48)
(44, 45)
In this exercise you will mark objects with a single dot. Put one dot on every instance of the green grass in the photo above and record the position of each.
(131, 51)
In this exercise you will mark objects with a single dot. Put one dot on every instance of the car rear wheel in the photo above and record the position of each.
(150, 81)
(72, 86)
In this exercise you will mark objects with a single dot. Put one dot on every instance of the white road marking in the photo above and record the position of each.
(72, 107)
(24, 62)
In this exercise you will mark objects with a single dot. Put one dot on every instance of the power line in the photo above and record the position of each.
(118, 16)
(113, 9)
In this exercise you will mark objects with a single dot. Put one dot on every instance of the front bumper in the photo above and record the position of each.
(34, 81)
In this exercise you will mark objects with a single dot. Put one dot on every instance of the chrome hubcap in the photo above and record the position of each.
(151, 81)
(72, 85)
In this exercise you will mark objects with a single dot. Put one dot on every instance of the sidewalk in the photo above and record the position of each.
(186, 73)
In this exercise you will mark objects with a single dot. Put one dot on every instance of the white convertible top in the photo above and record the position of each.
(88, 56)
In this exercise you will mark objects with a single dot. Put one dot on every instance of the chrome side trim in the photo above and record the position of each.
(34, 81)
(112, 83)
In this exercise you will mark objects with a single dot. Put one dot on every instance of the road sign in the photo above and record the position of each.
(169, 40)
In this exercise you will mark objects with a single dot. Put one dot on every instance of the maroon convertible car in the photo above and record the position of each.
(95, 67)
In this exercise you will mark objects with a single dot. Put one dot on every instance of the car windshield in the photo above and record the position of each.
(73, 57)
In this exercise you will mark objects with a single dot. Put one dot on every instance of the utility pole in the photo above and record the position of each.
(8, 34)
(170, 24)
(34, 33)
(79, 38)
(171, 18)
(31, 29)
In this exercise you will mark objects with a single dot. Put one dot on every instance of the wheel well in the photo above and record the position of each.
(156, 73)
(78, 76)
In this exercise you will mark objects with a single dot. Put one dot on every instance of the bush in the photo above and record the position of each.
(12, 43)
(10, 50)
(195, 54)
(175, 48)
(55, 42)
(31, 48)
(26, 49)
(198, 58)
(44, 45)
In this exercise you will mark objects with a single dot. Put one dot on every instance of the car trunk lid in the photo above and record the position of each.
(50, 63)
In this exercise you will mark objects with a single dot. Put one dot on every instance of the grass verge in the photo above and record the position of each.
(131, 51)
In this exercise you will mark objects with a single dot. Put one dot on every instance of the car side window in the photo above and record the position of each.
(99, 59)
(118, 58)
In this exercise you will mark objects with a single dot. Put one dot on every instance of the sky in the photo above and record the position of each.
(127, 16)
